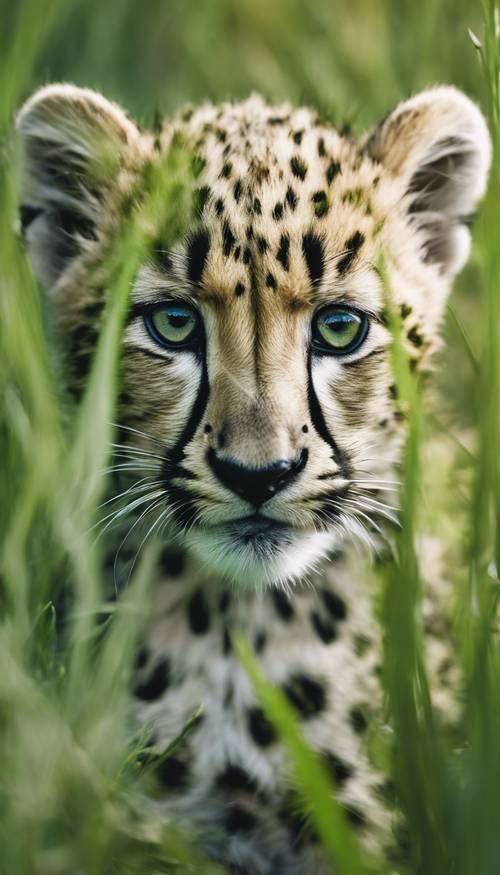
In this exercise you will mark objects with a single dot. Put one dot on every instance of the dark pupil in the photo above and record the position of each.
(178, 320)
(338, 323)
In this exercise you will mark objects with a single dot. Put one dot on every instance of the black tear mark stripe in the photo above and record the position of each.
(319, 423)
(180, 497)
(197, 253)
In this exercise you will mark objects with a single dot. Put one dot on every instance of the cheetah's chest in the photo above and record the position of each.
(318, 646)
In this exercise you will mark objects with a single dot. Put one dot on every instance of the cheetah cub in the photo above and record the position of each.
(259, 410)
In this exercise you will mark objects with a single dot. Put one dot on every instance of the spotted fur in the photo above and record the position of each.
(289, 216)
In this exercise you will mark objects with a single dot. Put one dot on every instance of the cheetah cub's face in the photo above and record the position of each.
(255, 360)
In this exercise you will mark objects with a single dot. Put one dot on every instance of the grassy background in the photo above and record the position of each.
(70, 788)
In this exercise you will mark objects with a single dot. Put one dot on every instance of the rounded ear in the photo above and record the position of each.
(438, 145)
(74, 144)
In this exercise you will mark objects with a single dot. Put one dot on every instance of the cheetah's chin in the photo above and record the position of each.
(260, 556)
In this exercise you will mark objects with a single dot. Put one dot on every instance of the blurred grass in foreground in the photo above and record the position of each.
(71, 794)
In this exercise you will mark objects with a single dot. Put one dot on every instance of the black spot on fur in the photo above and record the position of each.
(291, 198)
(249, 232)
(298, 167)
(28, 215)
(247, 255)
(282, 604)
(156, 684)
(260, 641)
(172, 773)
(332, 171)
(358, 720)
(239, 289)
(355, 817)
(312, 248)
(237, 253)
(334, 604)
(237, 190)
(278, 212)
(270, 281)
(353, 196)
(198, 614)
(257, 206)
(307, 695)
(297, 822)
(352, 246)
(236, 778)
(172, 561)
(320, 203)
(415, 337)
(197, 252)
(141, 657)
(340, 770)
(219, 206)
(405, 310)
(260, 728)
(321, 148)
(262, 245)
(201, 196)
(226, 170)
(94, 309)
(208, 428)
(224, 602)
(324, 629)
(228, 239)
(284, 251)
(239, 819)
(297, 137)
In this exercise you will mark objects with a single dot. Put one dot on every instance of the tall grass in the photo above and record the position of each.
(72, 791)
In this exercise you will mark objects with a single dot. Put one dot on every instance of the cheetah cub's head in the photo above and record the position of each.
(256, 384)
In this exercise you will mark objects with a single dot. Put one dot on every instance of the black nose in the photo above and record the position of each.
(256, 485)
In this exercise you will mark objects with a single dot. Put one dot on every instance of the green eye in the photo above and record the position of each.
(339, 330)
(173, 324)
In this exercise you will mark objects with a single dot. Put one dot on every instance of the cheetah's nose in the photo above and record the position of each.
(256, 485)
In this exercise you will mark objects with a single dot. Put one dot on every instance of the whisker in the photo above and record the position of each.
(138, 432)
(145, 483)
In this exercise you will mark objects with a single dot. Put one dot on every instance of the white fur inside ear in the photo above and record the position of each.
(437, 144)
(73, 140)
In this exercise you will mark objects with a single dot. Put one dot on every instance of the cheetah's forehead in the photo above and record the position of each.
(282, 194)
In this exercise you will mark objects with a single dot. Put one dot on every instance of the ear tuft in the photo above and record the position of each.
(74, 143)
(438, 145)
